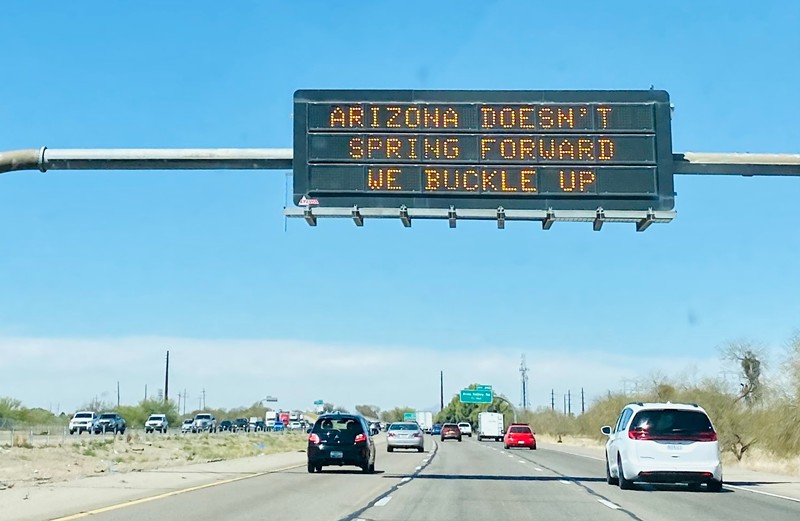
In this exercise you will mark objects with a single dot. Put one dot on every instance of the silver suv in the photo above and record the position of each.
(204, 422)
(156, 422)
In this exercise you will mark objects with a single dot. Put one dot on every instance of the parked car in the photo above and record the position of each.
(188, 425)
(156, 422)
(204, 422)
(340, 439)
(241, 424)
(110, 422)
(450, 431)
(663, 443)
(82, 421)
(226, 425)
(465, 428)
(519, 435)
(405, 435)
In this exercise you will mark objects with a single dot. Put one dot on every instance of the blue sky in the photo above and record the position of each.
(119, 266)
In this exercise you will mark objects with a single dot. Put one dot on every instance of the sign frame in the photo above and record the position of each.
(479, 396)
(661, 200)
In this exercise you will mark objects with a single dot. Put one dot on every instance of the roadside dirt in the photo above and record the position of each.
(28, 464)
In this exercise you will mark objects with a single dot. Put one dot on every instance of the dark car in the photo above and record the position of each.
(260, 426)
(450, 431)
(436, 429)
(241, 424)
(341, 439)
(110, 422)
(226, 425)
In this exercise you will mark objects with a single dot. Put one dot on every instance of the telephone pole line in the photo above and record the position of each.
(523, 374)
(166, 380)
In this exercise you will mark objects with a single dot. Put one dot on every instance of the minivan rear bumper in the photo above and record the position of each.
(697, 472)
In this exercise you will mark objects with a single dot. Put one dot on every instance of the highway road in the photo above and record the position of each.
(456, 481)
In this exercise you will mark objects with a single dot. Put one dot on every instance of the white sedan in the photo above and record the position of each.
(465, 428)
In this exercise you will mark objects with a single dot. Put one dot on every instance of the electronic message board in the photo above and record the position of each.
(568, 150)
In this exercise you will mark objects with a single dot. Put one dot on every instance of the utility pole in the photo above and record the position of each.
(166, 380)
(204, 399)
(185, 397)
(523, 374)
(569, 402)
(117, 394)
(565, 403)
(145, 392)
(552, 399)
(583, 402)
(441, 390)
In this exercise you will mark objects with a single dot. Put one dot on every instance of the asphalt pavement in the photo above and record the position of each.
(450, 481)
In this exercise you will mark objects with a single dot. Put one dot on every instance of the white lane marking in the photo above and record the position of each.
(510, 455)
(576, 454)
(418, 468)
(737, 487)
(404, 480)
(523, 461)
(538, 469)
(383, 502)
(564, 481)
(609, 504)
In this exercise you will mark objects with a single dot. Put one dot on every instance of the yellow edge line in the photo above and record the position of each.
(170, 494)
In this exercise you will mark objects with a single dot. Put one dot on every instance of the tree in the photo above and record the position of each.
(370, 411)
(750, 360)
(395, 415)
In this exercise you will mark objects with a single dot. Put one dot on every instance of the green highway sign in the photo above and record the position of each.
(483, 387)
(409, 416)
(476, 396)
(318, 402)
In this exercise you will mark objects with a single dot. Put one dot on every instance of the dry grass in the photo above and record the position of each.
(134, 452)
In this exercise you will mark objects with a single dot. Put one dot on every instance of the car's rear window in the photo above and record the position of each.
(345, 429)
(450, 426)
(83, 415)
(520, 430)
(203, 417)
(403, 427)
(672, 422)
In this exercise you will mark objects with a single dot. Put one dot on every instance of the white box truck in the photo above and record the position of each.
(425, 420)
(490, 426)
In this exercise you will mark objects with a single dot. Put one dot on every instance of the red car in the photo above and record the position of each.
(519, 435)
(450, 431)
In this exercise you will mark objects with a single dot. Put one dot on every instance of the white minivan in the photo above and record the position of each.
(663, 443)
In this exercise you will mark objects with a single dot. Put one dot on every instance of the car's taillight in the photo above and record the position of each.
(390, 435)
(639, 434)
(313, 438)
(417, 434)
(360, 438)
(702, 436)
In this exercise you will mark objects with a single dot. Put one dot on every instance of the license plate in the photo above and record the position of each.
(674, 447)
(336, 454)
(520, 443)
